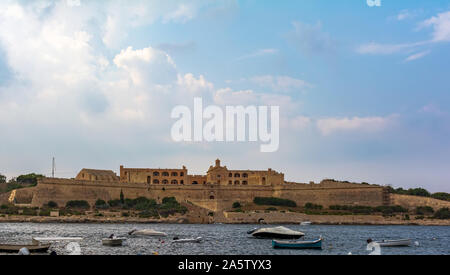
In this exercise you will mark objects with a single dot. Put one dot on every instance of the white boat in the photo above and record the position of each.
(196, 240)
(305, 223)
(38, 241)
(279, 232)
(147, 232)
(392, 243)
(112, 241)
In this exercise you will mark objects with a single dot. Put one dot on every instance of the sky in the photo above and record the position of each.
(364, 92)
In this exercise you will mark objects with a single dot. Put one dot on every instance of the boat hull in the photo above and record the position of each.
(268, 235)
(394, 243)
(297, 245)
(12, 248)
(112, 242)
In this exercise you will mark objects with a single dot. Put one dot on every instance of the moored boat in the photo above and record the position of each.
(112, 241)
(15, 248)
(394, 243)
(147, 232)
(317, 244)
(196, 240)
(279, 232)
(305, 223)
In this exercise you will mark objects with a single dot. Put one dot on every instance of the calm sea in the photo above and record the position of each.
(222, 239)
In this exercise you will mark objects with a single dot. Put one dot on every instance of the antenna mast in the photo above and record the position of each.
(53, 168)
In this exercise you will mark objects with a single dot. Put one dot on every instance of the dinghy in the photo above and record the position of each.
(196, 240)
(305, 223)
(147, 232)
(394, 243)
(317, 244)
(112, 241)
(15, 248)
(280, 232)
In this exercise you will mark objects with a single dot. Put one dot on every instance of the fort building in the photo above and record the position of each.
(216, 190)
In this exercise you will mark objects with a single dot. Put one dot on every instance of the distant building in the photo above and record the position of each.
(216, 175)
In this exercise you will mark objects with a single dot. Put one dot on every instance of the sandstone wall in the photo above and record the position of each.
(212, 197)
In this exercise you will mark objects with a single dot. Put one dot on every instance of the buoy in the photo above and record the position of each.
(349, 253)
(416, 243)
(24, 251)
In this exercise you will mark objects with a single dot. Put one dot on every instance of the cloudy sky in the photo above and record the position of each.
(364, 92)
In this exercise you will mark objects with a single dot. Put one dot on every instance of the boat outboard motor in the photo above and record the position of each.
(369, 240)
(24, 251)
(132, 231)
(175, 238)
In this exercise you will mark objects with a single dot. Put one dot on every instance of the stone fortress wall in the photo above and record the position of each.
(215, 191)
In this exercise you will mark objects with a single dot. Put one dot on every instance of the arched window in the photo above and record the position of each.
(263, 180)
(181, 174)
(211, 197)
(165, 182)
(181, 181)
(237, 175)
(156, 174)
(149, 179)
(230, 182)
(245, 175)
(230, 175)
(245, 182)
(236, 182)
(155, 181)
(174, 182)
(174, 174)
(165, 174)
(194, 182)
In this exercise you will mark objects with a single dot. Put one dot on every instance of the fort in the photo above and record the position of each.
(215, 191)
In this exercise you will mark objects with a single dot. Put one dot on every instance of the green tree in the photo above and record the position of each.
(2, 179)
(441, 196)
(29, 179)
(122, 197)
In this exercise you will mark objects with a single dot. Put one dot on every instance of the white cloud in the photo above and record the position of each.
(328, 126)
(417, 56)
(376, 48)
(147, 65)
(280, 83)
(441, 26)
(182, 14)
(193, 85)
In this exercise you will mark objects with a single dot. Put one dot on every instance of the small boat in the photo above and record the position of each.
(196, 240)
(279, 232)
(305, 223)
(147, 232)
(15, 248)
(393, 243)
(112, 241)
(317, 244)
(47, 240)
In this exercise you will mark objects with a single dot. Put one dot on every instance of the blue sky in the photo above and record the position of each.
(364, 92)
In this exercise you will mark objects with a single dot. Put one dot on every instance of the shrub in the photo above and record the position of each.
(420, 217)
(274, 201)
(312, 206)
(236, 205)
(114, 203)
(441, 196)
(4, 206)
(2, 178)
(169, 200)
(52, 204)
(125, 214)
(443, 214)
(149, 214)
(271, 209)
(101, 204)
(423, 210)
(78, 204)
(29, 179)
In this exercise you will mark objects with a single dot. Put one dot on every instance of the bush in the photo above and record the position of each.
(2, 178)
(236, 205)
(443, 214)
(274, 201)
(78, 204)
(125, 214)
(51, 204)
(169, 200)
(149, 214)
(271, 209)
(312, 206)
(101, 204)
(115, 203)
(423, 210)
(4, 206)
(441, 196)
(420, 217)
(29, 179)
